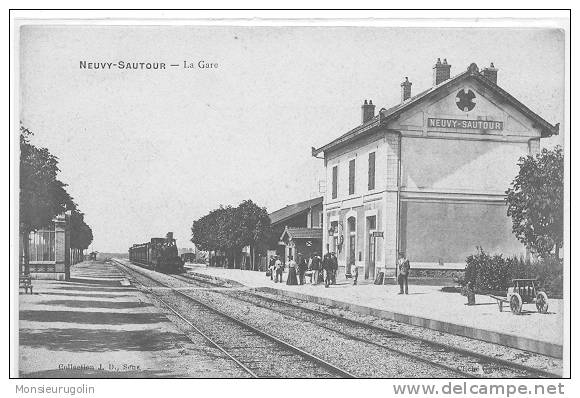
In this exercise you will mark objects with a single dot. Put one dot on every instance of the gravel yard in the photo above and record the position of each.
(512, 355)
(263, 356)
(359, 358)
(424, 302)
(472, 364)
(526, 358)
(342, 343)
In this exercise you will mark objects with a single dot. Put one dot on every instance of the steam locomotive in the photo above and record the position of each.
(160, 254)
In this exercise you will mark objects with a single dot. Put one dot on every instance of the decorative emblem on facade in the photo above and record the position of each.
(465, 100)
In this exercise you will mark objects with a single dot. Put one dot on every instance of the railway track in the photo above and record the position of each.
(465, 362)
(257, 353)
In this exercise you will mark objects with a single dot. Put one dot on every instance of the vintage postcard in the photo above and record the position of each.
(291, 199)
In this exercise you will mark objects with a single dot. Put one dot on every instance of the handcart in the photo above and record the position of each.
(523, 291)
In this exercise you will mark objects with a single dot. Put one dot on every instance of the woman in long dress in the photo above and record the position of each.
(292, 279)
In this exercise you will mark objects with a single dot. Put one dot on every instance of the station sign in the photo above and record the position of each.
(378, 234)
(465, 124)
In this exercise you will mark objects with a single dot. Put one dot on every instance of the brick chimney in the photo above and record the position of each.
(490, 73)
(441, 71)
(368, 111)
(406, 90)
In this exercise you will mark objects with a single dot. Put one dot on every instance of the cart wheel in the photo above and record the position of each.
(516, 303)
(542, 302)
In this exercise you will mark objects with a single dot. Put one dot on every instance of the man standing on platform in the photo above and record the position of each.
(327, 267)
(271, 267)
(302, 265)
(315, 267)
(404, 267)
(279, 269)
(334, 267)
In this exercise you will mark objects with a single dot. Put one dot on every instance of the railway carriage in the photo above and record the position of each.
(159, 254)
(188, 257)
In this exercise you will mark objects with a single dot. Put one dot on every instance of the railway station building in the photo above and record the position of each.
(428, 175)
(299, 229)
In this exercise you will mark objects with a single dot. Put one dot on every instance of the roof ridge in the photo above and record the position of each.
(294, 209)
(387, 114)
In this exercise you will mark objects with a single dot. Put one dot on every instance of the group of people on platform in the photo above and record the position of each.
(325, 270)
(318, 269)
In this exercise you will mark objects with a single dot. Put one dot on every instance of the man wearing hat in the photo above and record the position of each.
(271, 267)
(327, 268)
(334, 267)
(302, 266)
(279, 268)
(315, 267)
(404, 267)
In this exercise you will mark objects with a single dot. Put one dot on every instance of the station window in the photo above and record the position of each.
(334, 182)
(372, 222)
(351, 176)
(371, 171)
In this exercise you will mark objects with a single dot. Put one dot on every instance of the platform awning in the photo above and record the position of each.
(301, 233)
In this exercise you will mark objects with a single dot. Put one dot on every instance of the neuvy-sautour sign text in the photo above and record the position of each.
(465, 124)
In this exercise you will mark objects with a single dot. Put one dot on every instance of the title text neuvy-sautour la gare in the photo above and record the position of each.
(130, 65)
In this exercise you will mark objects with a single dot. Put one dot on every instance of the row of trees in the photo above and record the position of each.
(43, 196)
(229, 229)
(81, 235)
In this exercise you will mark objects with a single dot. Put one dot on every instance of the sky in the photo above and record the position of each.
(145, 152)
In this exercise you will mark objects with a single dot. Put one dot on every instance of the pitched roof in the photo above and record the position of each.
(386, 115)
(302, 233)
(293, 210)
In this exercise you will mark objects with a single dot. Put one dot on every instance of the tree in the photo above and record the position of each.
(42, 195)
(81, 234)
(229, 229)
(254, 224)
(535, 202)
(209, 232)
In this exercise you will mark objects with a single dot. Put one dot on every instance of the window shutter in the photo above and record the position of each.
(334, 181)
(371, 171)
(351, 171)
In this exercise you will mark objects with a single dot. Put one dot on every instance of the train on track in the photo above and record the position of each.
(160, 254)
(188, 257)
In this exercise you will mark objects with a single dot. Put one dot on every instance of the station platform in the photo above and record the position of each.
(425, 306)
(98, 326)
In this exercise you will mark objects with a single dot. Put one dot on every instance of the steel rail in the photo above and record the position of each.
(434, 344)
(216, 345)
(325, 364)
(205, 336)
(348, 335)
